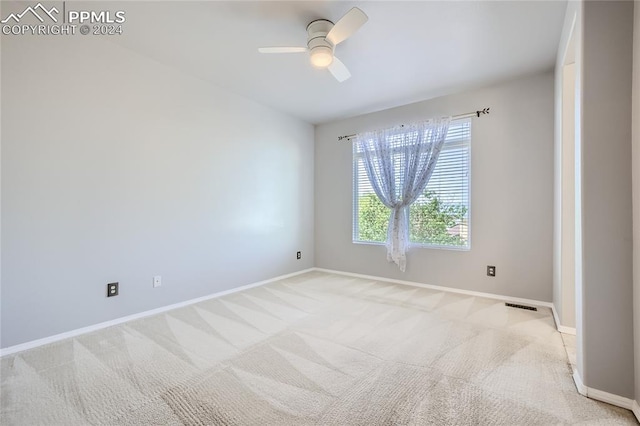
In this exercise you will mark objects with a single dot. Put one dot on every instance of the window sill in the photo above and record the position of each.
(418, 246)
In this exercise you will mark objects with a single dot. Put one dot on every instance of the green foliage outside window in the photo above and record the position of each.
(373, 219)
(431, 221)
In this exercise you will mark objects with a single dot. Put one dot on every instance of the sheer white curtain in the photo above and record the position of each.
(399, 162)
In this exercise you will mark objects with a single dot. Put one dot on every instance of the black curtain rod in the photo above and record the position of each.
(477, 113)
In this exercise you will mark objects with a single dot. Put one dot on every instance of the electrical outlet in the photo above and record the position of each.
(299, 255)
(157, 281)
(112, 289)
(491, 271)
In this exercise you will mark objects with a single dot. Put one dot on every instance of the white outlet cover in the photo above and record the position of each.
(157, 281)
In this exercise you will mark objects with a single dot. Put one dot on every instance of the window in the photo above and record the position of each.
(440, 216)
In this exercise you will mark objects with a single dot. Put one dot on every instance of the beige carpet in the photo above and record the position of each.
(311, 350)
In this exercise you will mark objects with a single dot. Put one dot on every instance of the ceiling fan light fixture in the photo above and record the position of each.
(321, 56)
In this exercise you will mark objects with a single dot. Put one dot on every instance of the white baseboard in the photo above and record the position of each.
(73, 333)
(609, 398)
(440, 288)
(582, 389)
(561, 328)
(636, 410)
(567, 330)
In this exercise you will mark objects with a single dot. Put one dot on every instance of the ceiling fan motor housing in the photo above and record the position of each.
(317, 41)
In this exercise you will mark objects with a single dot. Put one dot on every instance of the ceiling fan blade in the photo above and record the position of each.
(339, 70)
(282, 49)
(347, 25)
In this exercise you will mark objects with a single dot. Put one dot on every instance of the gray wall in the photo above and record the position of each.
(117, 168)
(607, 308)
(636, 195)
(511, 194)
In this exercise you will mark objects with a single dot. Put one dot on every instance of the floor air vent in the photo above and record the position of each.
(514, 305)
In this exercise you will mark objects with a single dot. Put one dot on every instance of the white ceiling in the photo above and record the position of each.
(407, 52)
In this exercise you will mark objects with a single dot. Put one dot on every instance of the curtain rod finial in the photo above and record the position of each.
(483, 111)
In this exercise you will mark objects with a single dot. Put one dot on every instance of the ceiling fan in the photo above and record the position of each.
(323, 36)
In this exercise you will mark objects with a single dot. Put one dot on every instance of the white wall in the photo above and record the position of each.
(117, 168)
(636, 195)
(511, 194)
